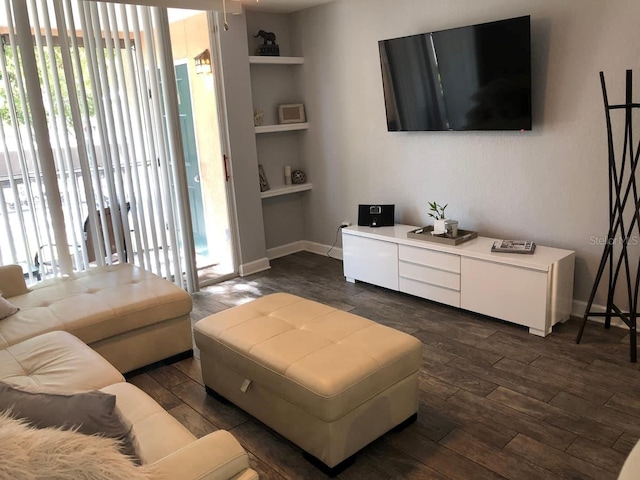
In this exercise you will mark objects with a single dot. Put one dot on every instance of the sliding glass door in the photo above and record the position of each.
(202, 122)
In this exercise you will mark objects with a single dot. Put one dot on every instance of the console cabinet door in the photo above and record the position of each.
(511, 293)
(371, 261)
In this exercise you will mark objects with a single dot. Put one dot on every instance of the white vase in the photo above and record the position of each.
(440, 226)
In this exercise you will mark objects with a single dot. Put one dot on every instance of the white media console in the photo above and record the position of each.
(531, 290)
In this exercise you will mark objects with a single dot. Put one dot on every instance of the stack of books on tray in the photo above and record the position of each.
(513, 246)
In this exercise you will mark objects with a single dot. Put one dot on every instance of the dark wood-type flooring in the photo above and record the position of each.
(495, 401)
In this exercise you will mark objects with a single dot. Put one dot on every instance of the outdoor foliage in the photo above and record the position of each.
(51, 63)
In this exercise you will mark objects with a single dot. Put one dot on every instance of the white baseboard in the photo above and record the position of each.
(579, 307)
(284, 250)
(303, 246)
(320, 249)
(254, 267)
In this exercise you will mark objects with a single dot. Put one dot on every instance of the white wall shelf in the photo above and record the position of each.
(277, 80)
(276, 192)
(287, 127)
(257, 60)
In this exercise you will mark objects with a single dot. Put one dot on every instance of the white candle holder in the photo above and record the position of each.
(287, 174)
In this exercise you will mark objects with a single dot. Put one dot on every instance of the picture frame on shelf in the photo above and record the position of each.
(258, 115)
(291, 113)
(264, 183)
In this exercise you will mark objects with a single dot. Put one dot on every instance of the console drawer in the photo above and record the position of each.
(430, 292)
(430, 258)
(433, 276)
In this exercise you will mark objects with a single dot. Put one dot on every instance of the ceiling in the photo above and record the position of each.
(274, 6)
(281, 6)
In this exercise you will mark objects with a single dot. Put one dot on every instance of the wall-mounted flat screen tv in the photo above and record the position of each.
(468, 78)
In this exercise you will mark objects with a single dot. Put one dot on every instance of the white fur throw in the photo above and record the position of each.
(28, 454)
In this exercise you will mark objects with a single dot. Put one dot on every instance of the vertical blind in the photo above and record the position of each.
(92, 169)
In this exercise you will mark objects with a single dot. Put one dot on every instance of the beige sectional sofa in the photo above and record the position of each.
(128, 315)
(130, 318)
(59, 362)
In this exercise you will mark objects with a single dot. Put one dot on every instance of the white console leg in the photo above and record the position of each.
(538, 332)
(351, 280)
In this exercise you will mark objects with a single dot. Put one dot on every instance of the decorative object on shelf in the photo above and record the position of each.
(437, 213)
(287, 175)
(264, 184)
(203, 62)
(257, 118)
(269, 46)
(513, 246)
(624, 228)
(376, 215)
(451, 227)
(426, 234)
(291, 113)
(298, 177)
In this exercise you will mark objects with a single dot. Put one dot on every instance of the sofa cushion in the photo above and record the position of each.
(29, 453)
(7, 308)
(12, 281)
(157, 433)
(89, 412)
(86, 304)
(57, 360)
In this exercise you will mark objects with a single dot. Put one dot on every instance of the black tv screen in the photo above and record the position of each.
(468, 78)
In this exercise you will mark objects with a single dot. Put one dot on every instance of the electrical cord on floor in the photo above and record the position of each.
(335, 242)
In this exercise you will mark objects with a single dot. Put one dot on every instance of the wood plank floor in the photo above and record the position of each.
(495, 402)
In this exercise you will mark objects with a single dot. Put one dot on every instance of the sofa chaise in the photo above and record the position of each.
(128, 315)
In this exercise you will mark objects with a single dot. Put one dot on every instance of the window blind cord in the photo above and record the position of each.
(224, 11)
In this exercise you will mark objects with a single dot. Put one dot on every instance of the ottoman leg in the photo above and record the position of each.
(339, 468)
(324, 468)
(401, 426)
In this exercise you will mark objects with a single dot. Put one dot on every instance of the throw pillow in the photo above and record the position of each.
(29, 454)
(89, 413)
(6, 308)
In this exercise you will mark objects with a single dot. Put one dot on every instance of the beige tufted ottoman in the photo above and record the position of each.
(329, 381)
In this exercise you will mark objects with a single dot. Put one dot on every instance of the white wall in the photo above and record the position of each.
(549, 184)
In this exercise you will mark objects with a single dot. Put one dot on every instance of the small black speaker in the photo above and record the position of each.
(376, 215)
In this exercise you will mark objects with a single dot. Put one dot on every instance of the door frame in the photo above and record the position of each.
(225, 143)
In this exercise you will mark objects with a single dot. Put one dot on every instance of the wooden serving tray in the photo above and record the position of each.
(424, 234)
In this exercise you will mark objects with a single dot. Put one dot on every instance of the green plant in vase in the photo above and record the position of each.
(437, 212)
